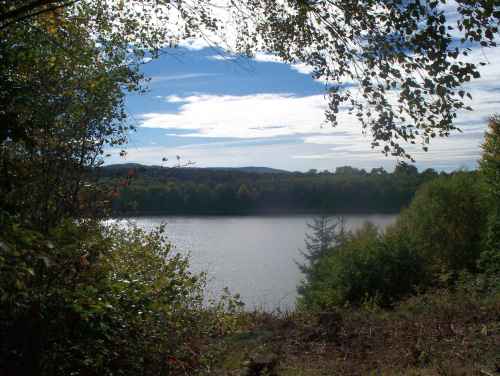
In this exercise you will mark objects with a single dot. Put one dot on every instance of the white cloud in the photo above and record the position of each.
(195, 44)
(455, 148)
(174, 99)
(490, 73)
(222, 57)
(304, 156)
(271, 115)
(179, 77)
(262, 57)
(303, 68)
(249, 116)
(236, 155)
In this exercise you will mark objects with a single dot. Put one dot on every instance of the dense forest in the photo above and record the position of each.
(156, 190)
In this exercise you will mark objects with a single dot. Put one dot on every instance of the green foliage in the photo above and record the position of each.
(490, 158)
(62, 103)
(470, 291)
(326, 235)
(366, 268)
(87, 299)
(195, 190)
(446, 223)
(65, 69)
(144, 26)
(490, 171)
(440, 236)
(489, 261)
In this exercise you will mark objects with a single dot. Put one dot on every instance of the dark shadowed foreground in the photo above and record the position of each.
(442, 333)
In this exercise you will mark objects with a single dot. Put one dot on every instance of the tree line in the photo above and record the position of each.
(150, 190)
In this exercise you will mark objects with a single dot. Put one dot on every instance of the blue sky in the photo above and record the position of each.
(218, 110)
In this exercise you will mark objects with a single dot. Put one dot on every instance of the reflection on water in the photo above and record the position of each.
(252, 255)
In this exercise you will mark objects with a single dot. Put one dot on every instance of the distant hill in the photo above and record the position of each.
(124, 166)
(249, 169)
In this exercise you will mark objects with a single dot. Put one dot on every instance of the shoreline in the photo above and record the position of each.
(266, 213)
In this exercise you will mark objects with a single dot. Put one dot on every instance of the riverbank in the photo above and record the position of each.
(248, 213)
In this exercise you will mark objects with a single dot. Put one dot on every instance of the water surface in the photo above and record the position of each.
(252, 255)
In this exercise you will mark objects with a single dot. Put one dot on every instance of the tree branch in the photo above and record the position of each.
(32, 10)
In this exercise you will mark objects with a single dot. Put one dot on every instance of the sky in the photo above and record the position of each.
(218, 110)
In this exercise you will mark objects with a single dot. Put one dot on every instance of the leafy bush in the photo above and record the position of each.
(446, 222)
(490, 172)
(470, 292)
(438, 238)
(99, 301)
(367, 267)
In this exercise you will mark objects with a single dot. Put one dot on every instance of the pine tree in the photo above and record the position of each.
(326, 233)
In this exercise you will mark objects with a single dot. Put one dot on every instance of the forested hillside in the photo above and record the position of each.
(153, 189)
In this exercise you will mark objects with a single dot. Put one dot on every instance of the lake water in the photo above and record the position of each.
(251, 255)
